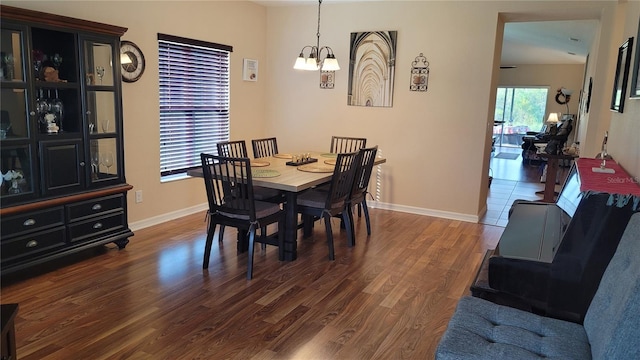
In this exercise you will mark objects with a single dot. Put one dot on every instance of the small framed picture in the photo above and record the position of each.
(622, 73)
(250, 70)
(635, 80)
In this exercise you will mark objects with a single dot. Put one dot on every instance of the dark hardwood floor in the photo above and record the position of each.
(389, 297)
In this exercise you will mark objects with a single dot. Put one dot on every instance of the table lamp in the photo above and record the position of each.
(553, 121)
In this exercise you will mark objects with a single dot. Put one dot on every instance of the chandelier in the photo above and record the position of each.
(313, 61)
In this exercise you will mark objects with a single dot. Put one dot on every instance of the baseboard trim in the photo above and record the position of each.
(167, 217)
(138, 225)
(422, 211)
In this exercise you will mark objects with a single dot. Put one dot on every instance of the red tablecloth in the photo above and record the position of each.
(619, 183)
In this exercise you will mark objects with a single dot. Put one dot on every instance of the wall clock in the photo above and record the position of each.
(132, 61)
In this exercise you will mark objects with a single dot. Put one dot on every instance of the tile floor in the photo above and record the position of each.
(512, 180)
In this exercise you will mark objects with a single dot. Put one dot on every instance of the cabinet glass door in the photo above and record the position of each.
(17, 172)
(13, 116)
(98, 63)
(102, 111)
(16, 149)
(12, 55)
(104, 160)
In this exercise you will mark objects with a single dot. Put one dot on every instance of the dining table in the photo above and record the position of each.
(291, 173)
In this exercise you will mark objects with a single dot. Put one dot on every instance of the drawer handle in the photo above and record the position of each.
(96, 207)
(32, 244)
(97, 226)
(29, 222)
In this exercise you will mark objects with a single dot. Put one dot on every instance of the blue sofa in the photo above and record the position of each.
(480, 329)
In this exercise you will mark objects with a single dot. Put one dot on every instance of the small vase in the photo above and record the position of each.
(15, 188)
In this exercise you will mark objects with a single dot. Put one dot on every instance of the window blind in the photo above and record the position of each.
(194, 101)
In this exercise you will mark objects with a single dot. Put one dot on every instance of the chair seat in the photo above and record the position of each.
(263, 209)
(480, 329)
(316, 199)
(263, 193)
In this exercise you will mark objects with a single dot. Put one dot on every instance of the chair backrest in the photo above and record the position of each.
(229, 185)
(237, 149)
(612, 322)
(341, 144)
(363, 173)
(264, 147)
(342, 179)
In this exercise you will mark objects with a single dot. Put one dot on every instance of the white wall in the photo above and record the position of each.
(624, 129)
(436, 143)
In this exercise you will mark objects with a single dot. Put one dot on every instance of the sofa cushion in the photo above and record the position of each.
(613, 318)
(480, 329)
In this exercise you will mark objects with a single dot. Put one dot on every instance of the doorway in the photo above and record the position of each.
(528, 41)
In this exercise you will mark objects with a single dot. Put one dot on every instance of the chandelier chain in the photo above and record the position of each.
(318, 32)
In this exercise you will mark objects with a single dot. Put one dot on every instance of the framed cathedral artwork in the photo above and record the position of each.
(372, 63)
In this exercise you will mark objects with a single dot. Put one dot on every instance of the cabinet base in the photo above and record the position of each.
(121, 240)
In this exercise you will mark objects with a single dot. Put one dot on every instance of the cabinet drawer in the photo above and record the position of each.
(86, 209)
(16, 225)
(32, 244)
(96, 227)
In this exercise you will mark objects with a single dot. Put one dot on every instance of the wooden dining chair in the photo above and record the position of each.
(264, 147)
(230, 195)
(341, 144)
(238, 149)
(318, 204)
(360, 189)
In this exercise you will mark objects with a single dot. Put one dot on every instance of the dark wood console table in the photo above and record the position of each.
(552, 173)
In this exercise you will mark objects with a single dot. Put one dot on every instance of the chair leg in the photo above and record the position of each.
(359, 210)
(263, 233)
(327, 225)
(252, 237)
(347, 218)
(366, 215)
(221, 233)
(208, 244)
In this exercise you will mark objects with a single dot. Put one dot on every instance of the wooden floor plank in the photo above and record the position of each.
(388, 297)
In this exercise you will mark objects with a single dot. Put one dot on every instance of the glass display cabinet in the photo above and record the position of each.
(62, 187)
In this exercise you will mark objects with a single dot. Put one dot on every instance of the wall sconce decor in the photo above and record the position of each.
(419, 74)
(314, 62)
(327, 79)
(563, 96)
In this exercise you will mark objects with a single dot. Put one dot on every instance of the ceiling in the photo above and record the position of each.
(548, 42)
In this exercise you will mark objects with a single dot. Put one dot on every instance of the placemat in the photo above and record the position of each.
(315, 168)
(329, 155)
(330, 162)
(264, 173)
(260, 163)
(282, 156)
